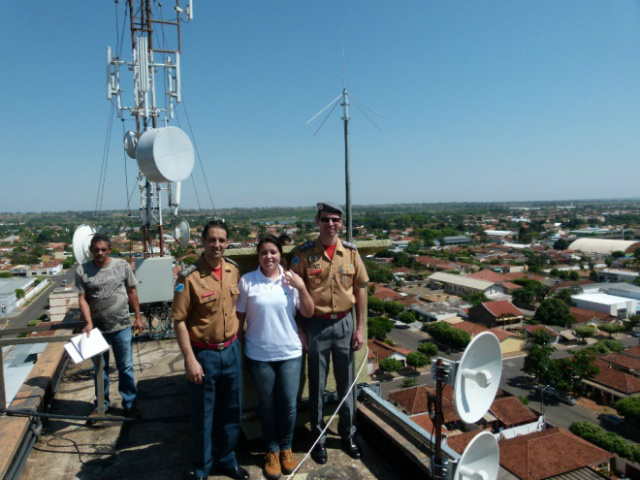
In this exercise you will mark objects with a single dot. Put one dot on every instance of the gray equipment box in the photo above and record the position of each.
(155, 279)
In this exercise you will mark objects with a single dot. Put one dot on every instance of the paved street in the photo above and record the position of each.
(36, 307)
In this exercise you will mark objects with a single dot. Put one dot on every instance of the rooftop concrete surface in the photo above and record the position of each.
(158, 446)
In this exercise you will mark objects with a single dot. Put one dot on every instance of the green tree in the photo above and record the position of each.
(538, 363)
(476, 298)
(523, 296)
(409, 382)
(378, 327)
(618, 254)
(553, 311)
(417, 360)
(585, 331)
(5, 275)
(407, 317)
(561, 244)
(629, 408)
(393, 309)
(541, 336)
(611, 328)
(607, 345)
(609, 441)
(445, 333)
(20, 293)
(574, 276)
(429, 349)
(375, 305)
(390, 365)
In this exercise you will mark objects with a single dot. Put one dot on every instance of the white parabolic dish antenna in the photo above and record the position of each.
(478, 377)
(182, 233)
(81, 242)
(165, 154)
(480, 460)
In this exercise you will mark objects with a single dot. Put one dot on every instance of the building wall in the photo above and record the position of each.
(511, 345)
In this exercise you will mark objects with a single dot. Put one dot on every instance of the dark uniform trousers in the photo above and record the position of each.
(330, 338)
(219, 396)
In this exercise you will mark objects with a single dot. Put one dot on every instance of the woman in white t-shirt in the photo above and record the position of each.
(268, 300)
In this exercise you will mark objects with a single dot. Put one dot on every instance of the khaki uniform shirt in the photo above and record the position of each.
(206, 304)
(330, 282)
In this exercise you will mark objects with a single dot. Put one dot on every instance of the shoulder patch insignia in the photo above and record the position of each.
(349, 245)
(228, 260)
(179, 287)
(306, 245)
(188, 271)
(295, 260)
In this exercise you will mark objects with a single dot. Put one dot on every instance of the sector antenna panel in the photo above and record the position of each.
(182, 233)
(165, 154)
(480, 460)
(81, 242)
(478, 377)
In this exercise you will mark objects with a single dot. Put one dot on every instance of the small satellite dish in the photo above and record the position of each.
(165, 154)
(81, 242)
(129, 142)
(182, 233)
(478, 377)
(480, 460)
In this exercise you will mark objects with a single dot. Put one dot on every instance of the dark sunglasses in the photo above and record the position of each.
(327, 220)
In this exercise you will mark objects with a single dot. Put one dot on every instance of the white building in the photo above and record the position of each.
(610, 304)
(461, 285)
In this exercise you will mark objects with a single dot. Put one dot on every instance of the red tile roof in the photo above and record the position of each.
(384, 293)
(502, 308)
(459, 442)
(511, 412)
(583, 315)
(470, 327)
(412, 400)
(616, 379)
(622, 360)
(424, 420)
(381, 350)
(488, 275)
(503, 334)
(533, 328)
(545, 454)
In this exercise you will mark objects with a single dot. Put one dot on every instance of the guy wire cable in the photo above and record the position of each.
(355, 380)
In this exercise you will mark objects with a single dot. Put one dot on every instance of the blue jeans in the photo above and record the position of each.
(120, 342)
(216, 407)
(277, 384)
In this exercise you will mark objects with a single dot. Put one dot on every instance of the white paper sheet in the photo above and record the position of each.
(81, 347)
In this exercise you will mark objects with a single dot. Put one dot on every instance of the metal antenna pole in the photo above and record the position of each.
(347, 177)
(437, 469)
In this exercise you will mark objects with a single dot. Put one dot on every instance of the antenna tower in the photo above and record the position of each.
(164, 161)
(343, 99)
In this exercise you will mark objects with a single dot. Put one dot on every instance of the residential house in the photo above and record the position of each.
(499, 313)
(544, 455)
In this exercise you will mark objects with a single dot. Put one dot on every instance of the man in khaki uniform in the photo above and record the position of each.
(206, 326)
(336, 279)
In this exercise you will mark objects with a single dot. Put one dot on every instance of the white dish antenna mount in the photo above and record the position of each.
(475, 379)
(81, 242)
(182, 233)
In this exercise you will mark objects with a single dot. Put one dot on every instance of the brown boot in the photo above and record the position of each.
(272, 468)
(288, 461)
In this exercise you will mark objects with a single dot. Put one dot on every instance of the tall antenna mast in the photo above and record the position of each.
(343, 98)
(162, 145)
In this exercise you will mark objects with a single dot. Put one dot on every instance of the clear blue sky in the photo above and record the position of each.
(482, 101)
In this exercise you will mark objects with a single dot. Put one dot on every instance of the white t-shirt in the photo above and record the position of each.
(270, 307)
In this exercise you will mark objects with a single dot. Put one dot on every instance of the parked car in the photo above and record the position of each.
(611, 419)
(568, 399)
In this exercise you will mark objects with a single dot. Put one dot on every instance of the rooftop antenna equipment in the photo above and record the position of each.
(475, 382)
(344, 100)
(164, 154)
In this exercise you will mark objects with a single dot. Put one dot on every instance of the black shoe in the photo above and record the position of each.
(319, 454)
(351, 447)
(237, 473)
(132, 412)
